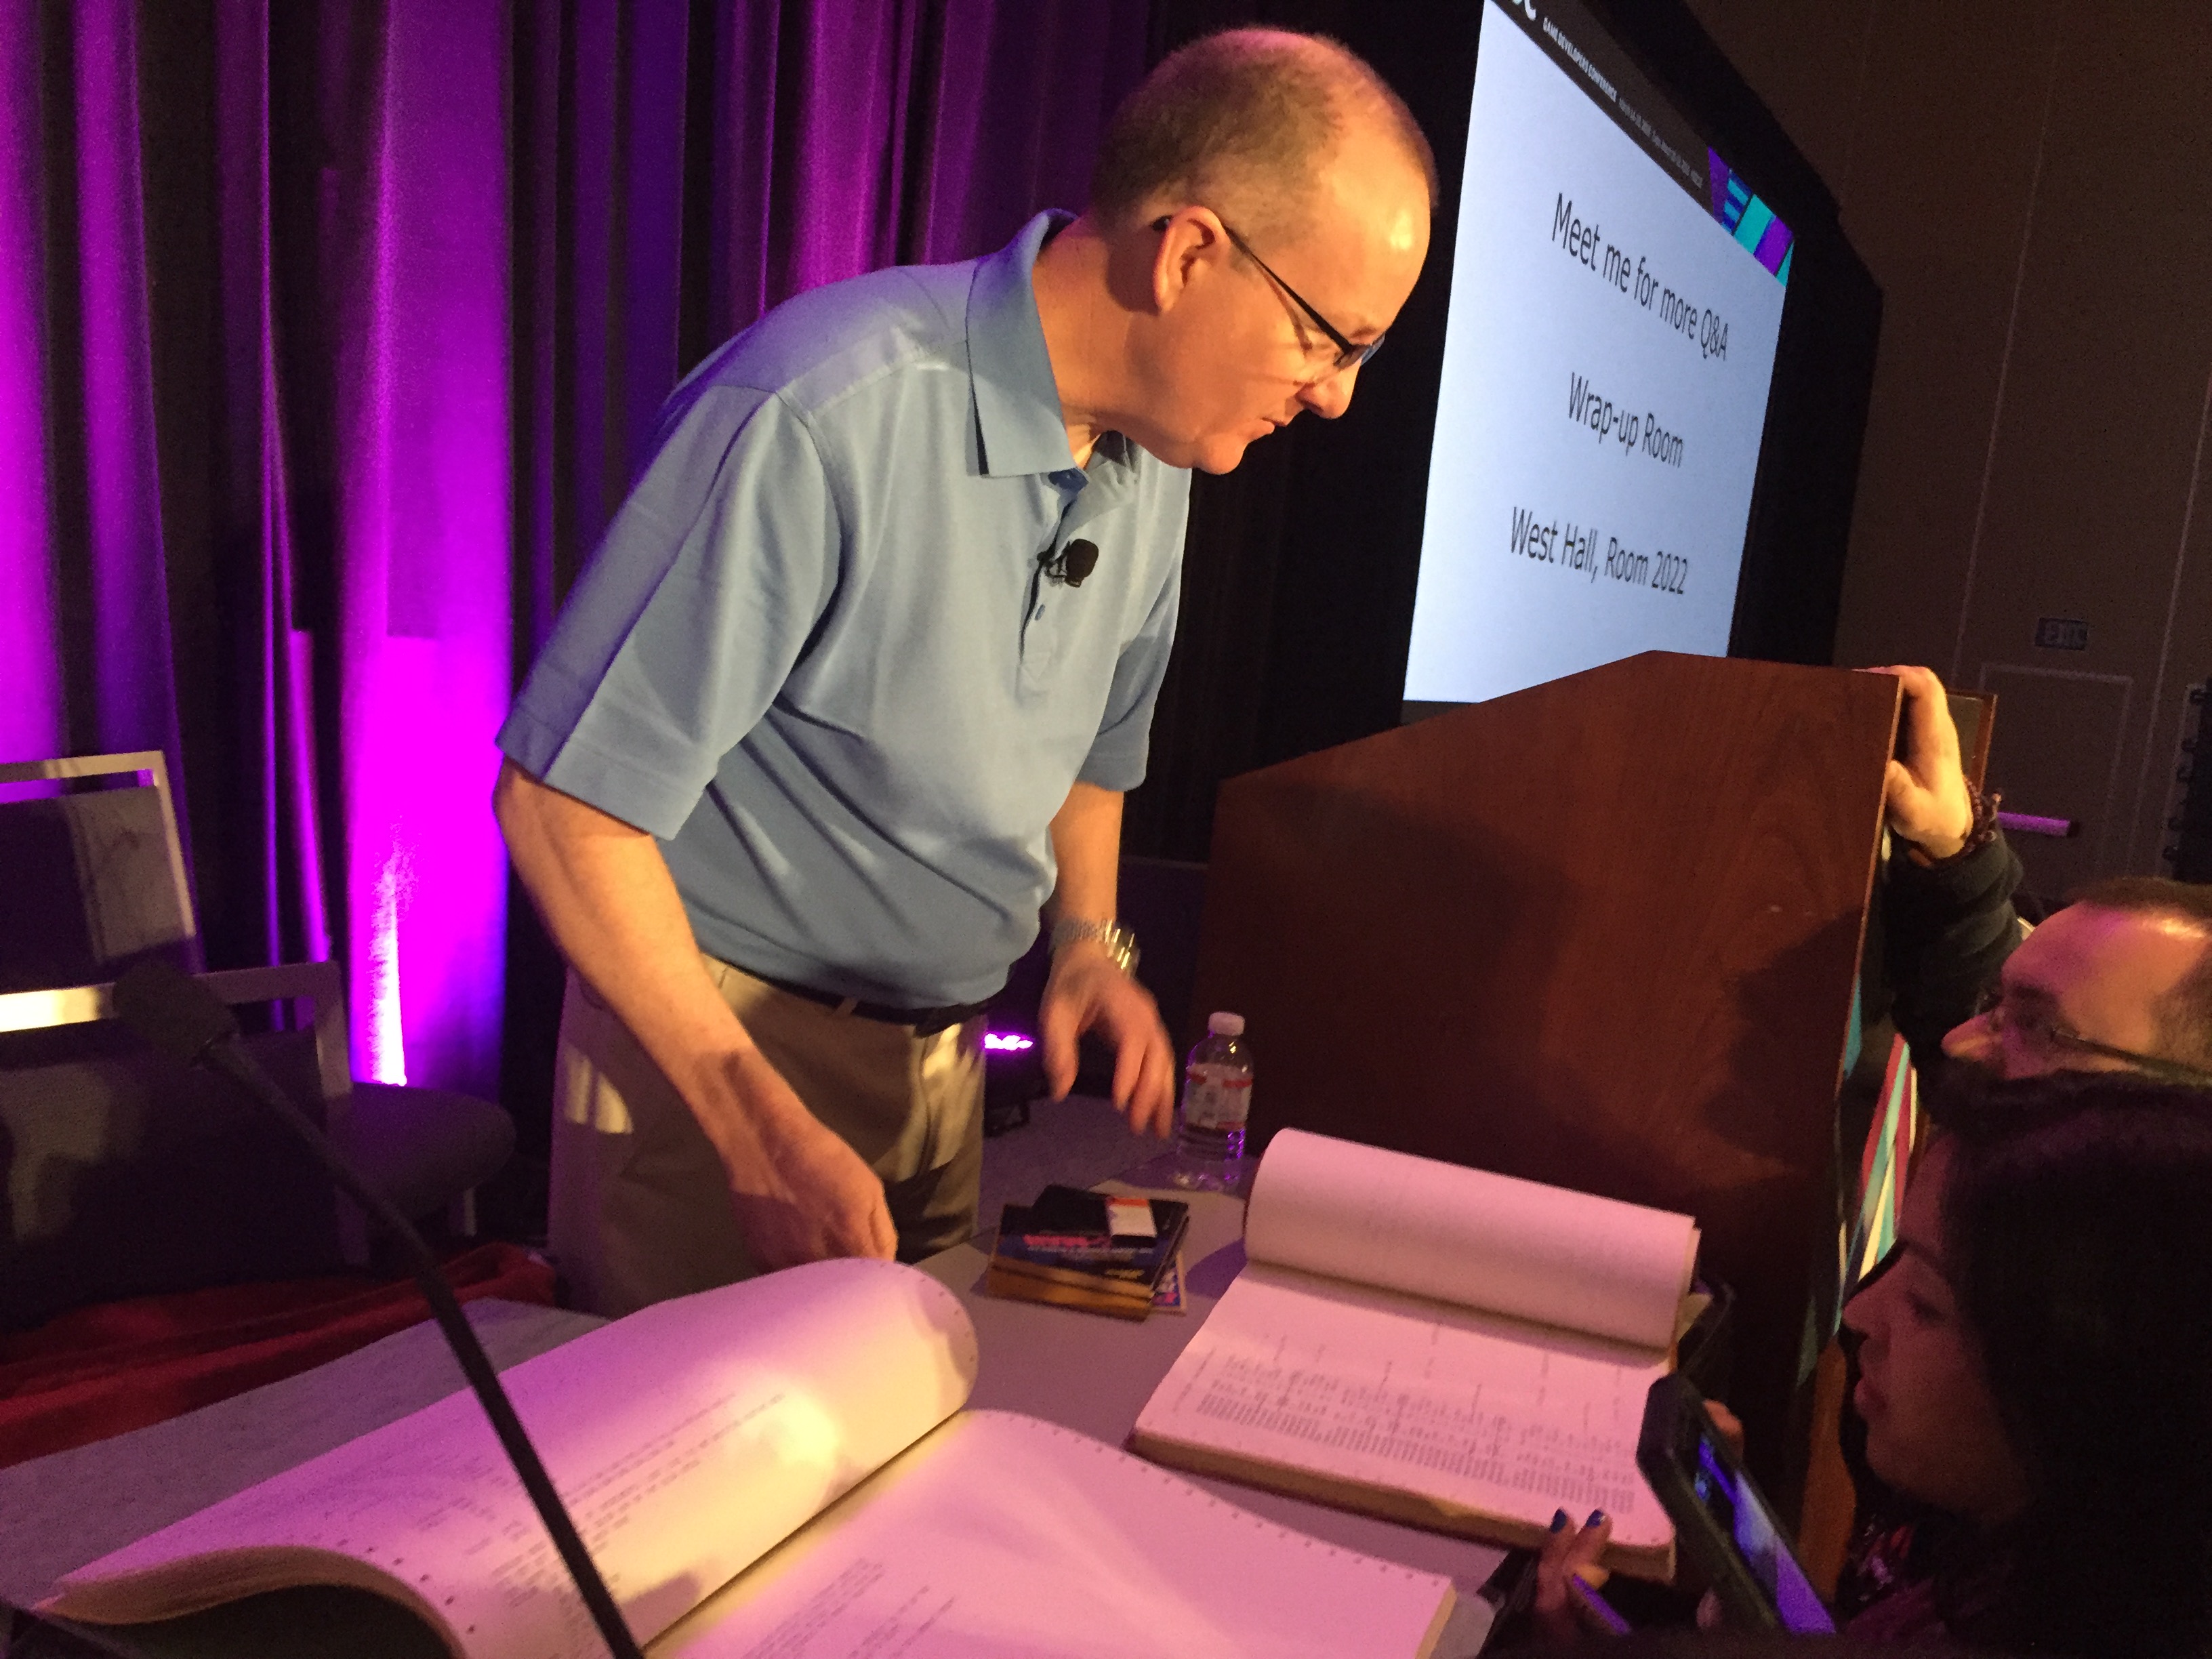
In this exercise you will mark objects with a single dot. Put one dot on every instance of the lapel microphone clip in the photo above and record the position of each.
(1072, 563)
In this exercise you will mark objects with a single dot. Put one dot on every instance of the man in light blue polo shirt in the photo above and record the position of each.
(855, 685)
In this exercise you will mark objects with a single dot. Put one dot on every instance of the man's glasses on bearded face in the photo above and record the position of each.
(2044, 1037)
(1348, 354)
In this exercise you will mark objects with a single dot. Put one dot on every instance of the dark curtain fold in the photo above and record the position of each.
(331, 331)
(82, 545)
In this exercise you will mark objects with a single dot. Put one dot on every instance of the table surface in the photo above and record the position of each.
(1085, 1371)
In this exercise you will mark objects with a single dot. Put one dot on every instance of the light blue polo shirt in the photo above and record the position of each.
(816, 655)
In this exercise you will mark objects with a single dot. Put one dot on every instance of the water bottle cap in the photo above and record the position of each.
(1229, 1025)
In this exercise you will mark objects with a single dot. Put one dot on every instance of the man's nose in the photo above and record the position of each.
(1331, 395)
(1974, 1040)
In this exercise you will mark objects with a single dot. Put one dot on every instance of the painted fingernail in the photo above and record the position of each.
(1597, 1516)
(1559, 1521)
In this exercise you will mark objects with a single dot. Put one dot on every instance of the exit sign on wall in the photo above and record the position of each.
(2061, 634)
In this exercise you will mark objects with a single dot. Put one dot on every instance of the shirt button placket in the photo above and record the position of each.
(1037, 645)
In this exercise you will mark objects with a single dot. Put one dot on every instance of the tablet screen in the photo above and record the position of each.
(1734, 1502)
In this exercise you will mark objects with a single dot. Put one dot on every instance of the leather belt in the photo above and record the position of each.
(926, 1022)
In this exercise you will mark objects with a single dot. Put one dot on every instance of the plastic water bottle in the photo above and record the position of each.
(1217, 1103)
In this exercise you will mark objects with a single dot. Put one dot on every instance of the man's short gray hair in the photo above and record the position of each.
(1242, 121)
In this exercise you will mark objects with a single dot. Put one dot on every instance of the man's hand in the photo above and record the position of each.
(1924, 795)
(1088, 992)
(801, 1192)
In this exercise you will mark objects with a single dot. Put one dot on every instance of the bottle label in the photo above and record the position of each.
(1216, 1097)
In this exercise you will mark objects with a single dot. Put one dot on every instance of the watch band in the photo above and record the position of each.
(1120, 943)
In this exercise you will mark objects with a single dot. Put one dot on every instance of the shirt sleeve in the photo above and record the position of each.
(1947, 930)
(1118, 753)
(689, 619)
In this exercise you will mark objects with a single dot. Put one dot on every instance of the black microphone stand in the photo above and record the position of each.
(178, 1015)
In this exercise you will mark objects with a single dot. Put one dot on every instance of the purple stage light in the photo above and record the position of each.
(424, 508)
(1007, 1042)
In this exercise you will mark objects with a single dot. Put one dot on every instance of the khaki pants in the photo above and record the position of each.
(640, 1209)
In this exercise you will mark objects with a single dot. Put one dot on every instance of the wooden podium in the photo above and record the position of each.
(1603, 933)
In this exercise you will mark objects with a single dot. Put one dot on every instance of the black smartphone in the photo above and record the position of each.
(1723, 1524)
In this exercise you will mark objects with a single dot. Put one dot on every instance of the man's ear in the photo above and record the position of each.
(1191, 248)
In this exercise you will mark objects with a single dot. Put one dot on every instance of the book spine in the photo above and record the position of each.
(1133, 1290)
(1023, 1288)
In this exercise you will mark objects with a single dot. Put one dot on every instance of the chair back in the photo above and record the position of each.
(92, 871)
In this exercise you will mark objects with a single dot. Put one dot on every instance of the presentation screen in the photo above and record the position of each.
(1616, 298)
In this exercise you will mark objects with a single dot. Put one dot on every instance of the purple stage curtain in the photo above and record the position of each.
(330, 332)
(77, 401)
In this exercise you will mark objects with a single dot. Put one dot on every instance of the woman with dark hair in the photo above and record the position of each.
(2036, 1367)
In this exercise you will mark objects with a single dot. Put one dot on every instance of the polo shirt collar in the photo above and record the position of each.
(1017, 412)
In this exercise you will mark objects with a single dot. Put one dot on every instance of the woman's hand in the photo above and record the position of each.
(1572, 1554)
(1569, 1554)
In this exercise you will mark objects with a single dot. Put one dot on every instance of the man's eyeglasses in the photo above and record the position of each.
(1349, 355)
(2041, 1032)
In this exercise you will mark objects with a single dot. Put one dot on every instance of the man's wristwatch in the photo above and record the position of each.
(1120, 943)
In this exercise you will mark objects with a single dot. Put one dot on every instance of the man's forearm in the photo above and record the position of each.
(1086, 843)
(1948, 932)
(607, 898)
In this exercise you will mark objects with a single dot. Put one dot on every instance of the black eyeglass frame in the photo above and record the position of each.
(1991, 1008)
(1349, 355)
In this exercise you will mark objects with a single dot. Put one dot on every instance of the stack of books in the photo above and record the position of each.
(1111, 1254)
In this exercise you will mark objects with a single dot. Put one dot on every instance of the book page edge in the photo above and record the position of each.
(1435, 1631)
(175, 1589)
(1655, 1563)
